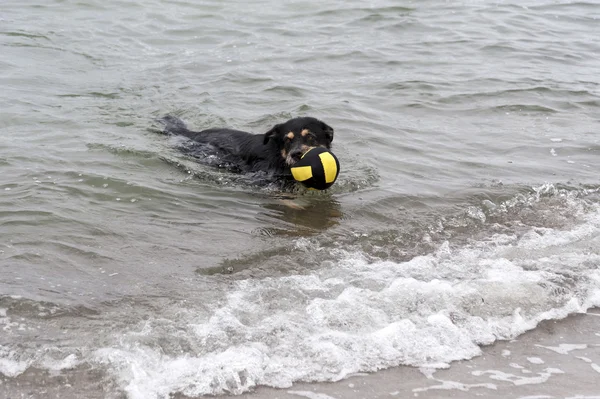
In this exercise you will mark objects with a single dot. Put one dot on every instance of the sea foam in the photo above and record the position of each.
(359, 315)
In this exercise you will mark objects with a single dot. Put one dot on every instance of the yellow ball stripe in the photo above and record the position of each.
(329, 166)
(302, 173)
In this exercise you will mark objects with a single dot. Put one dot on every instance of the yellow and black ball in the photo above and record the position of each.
(318, 168)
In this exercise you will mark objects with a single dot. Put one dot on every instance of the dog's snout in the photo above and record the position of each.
(296, 155)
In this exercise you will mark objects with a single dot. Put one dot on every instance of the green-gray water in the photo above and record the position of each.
(468, 138)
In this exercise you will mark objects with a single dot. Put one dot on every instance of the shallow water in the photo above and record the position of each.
(467, 209)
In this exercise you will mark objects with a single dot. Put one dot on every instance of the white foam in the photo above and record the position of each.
(519, 380)
(360, 316)
(311, 395)
(69, 362)
(535, 360)
(564, 349)
(13, 363)
(10, 364)
(149, 374)
(455, 385)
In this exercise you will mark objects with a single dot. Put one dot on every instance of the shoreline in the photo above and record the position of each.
(559, 358)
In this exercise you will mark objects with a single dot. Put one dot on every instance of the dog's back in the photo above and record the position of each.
(273, 152)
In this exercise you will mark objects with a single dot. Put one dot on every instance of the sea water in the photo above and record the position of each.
(466, 212)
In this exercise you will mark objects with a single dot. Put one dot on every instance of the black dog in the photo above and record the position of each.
(272, 152)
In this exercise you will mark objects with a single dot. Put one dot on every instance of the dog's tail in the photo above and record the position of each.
(173, 125)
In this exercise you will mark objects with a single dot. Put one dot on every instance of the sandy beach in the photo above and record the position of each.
(558, 359)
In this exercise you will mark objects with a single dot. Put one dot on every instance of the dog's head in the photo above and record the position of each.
(298, 135)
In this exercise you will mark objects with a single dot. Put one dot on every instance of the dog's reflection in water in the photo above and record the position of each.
(301, 216)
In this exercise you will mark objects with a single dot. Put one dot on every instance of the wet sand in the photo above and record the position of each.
(558, 359)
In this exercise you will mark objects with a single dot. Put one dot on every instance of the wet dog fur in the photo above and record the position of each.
(272, 152)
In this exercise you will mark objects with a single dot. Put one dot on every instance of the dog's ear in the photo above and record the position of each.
(268, 135)
(328, 131)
